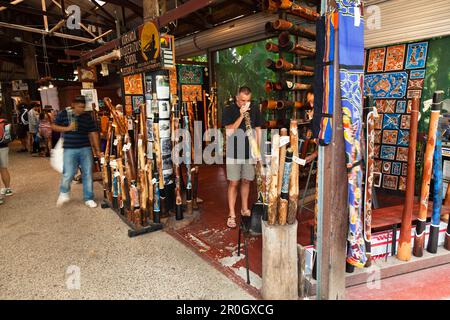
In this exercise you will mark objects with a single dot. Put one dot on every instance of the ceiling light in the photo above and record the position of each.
(50, 85)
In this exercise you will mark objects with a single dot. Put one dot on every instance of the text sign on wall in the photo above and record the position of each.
(140, 50)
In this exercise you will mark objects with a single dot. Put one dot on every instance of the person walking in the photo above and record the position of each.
(5, 138)
(22, 126)
(33, 125)
(240, 168)
(80, 138)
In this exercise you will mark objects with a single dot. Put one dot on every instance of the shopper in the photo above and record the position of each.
(80, 133)
(45, 133)
(33, 125)
(240, 168)
(5, 138)
(22, 126)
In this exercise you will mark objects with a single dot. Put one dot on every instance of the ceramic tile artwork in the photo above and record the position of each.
(401, 106)
(386, 169)
(389, 106)
(405, 121)
(404, 169)
(415, 84)
(390, 136)
(379, 121)
(396, 168)
(376, 151)
(386, 85)
(403, 138)
(387, 152)
(402, 183)
(402, 154)
(416, 55)
(394, 58)
(391, 121)
(377, 165)
(380, 104)
(377, 136)
(417, 74)
(376, 60)
(390, 182)
(414, 94)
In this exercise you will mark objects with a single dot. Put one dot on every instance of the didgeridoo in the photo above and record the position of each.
(426, 175)
(273, 191)
(404, 243)
(284, 197)
(293, 184)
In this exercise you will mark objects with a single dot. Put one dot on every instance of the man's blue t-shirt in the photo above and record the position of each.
(79, 138)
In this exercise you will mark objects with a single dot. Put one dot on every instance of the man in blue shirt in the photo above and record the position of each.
(80, 135)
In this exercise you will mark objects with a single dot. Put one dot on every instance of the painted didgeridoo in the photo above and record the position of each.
(419, 238)
(404, 243)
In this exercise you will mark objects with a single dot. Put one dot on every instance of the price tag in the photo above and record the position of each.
(116, 174)
(130, 124)
(284, 140)
(115, 142)
(154, 181)
(126, 147)
(102, 160)
(299, 161)
(113, 163)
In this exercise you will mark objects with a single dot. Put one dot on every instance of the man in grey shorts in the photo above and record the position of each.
(4, 173)
(240, 166)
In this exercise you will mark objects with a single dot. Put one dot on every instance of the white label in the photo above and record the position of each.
(102, 160)
(115, 142)
(116, 174)
(130, 124)
(357, 16)
(154, 180)
(299, 161)
(284, 140)
(113, 163)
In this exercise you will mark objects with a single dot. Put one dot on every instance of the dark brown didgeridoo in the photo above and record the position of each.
(419, 238)
(284, 197)
(285, 25)
(404, 243)
(293, 184)
(176, 164)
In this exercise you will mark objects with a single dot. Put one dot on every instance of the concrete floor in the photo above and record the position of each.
(42, 247)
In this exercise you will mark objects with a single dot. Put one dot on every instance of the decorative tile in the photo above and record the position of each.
(387, 152)
(390, 182)
(402, 154)
(389, 106)
(377, 165)
(408, 109)
(416, 84)
(401, 106)
(377, 136)
(403, 138)
(386, 167)
(379, 122)
(391, 121)
(417, 55)
(404, 169)
(405, 121)
(380, 104)
(414, 94)
(386, 85)
(402, 183)
(376, 151)
(137, 101)
(396, 168)
(417, 74)
(390, 136)
(394, 58)
(376, 60)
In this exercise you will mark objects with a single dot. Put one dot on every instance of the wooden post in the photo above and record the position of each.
(151, 9)
(332, 225)
(279, 262)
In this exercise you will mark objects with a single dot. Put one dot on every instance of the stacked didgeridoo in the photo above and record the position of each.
(404, 247)
(283, 177)
(419, 238)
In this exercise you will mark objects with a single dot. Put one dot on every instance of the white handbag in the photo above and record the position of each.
(57, 156)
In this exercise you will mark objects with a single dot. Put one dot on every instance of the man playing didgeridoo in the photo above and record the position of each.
(80, 133)
(240, 166)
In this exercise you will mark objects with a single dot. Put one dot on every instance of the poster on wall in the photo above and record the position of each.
(164, 109)
(133, 84)
(87, 74)
(392, 78)
(190, 74)
(162, 87)
(191, 92)
(91, 98)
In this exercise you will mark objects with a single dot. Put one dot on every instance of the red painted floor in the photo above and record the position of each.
(213, 240)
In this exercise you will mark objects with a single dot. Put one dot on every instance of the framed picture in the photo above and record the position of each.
(377, 179)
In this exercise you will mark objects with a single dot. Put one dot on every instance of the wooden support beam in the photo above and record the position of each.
(12, 3)
(333, 213)
(44, 9)
(130, 5)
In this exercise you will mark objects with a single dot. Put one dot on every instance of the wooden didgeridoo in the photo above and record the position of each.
(283, 133)
(149, 172)
(404, 243)
(419, 238)
(159, 163)
(176, 164)
(188, 159)
(433, 238)
(273, 191)
(284, 197)
(293, 184)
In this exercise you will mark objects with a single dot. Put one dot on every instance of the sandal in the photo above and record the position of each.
(231, 222)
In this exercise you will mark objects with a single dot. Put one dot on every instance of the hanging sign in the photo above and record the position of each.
(140, 50)
(168, 51)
